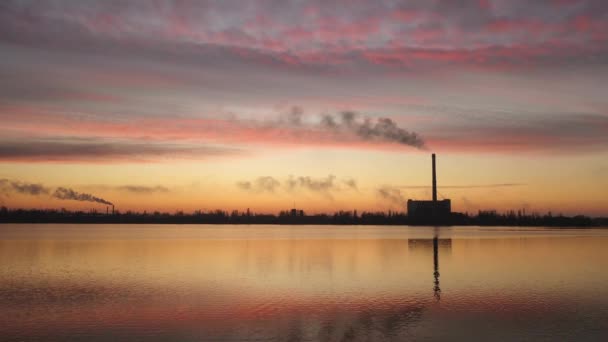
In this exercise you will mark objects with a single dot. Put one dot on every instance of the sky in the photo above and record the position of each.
(325, 105)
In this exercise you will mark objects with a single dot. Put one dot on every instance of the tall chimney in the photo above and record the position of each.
(434, 181)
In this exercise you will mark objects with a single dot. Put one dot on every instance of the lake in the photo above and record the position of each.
(301, 283)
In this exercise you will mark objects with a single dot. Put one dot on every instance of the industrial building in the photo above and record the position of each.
(430, 210)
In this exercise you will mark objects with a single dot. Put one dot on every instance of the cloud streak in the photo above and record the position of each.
(34, 189)
(105, 150)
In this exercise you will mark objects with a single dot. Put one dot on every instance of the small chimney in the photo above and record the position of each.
(434, 181)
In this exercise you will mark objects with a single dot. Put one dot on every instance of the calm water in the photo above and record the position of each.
(301, 283)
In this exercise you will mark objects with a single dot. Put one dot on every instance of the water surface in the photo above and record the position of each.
(301, 283)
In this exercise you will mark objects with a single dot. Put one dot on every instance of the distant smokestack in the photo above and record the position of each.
(434, 181)
(112, 209)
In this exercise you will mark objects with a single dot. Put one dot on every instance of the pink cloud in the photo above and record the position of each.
(563, 134)
(484, 4)
(405, 15)
(290, 35)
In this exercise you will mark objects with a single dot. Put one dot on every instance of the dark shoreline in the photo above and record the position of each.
(219, 217)
(600, 227)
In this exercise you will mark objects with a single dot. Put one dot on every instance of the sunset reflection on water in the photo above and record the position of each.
(301, 283)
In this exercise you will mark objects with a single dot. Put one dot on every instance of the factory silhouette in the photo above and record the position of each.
(430, 211)
(419, 212)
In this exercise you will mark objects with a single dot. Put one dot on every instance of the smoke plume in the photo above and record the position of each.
(318, 185)
(7, 185)
(141, 189)
(325, 186)
(260, 184)
(392, 195)
(364, 128)
(69, 194)
(351, 183)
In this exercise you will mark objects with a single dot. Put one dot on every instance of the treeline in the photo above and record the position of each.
(482, 218)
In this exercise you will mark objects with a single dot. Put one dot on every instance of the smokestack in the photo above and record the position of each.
(434, 181)
(112, 209)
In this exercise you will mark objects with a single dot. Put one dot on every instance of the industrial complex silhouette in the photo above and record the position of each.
(433, 210)
(419, 212)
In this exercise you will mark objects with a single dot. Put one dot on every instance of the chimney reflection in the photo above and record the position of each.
(436, 288)
(425, 246)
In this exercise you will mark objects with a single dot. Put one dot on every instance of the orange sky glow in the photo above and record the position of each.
(188, 106)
